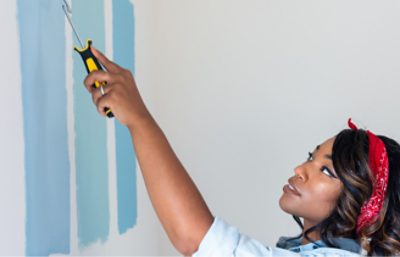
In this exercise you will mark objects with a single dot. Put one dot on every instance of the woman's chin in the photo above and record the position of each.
(285, 205)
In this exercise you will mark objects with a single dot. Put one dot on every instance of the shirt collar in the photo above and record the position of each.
(294, 244)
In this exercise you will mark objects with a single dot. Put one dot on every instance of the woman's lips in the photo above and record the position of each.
(288, 188)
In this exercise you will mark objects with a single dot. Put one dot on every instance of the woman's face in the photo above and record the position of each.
(314, 189)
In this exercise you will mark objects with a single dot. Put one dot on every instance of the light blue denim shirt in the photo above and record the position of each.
(223, 239)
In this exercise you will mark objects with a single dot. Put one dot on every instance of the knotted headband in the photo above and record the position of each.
(379, 165)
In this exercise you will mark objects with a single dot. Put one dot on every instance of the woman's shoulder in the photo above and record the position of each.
(223, 239)
(320, 252)
(341, 245)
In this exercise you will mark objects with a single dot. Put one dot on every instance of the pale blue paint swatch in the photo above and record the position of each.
(47, 167)
(90, 133)
(123, 49)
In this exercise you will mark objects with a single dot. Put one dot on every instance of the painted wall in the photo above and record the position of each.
(243, 91)
(69, 183)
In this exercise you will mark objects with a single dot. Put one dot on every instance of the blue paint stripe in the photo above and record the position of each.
(123, 49)
(90, 134)
(41, 27)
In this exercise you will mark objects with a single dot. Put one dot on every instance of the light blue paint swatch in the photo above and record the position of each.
(90, 133)
(47, 168)
(123, 49)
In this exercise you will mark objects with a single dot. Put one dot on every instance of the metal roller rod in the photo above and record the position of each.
(68, 11)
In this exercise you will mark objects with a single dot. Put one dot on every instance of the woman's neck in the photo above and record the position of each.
(313, 236)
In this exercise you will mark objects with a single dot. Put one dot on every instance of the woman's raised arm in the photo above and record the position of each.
(176, 199)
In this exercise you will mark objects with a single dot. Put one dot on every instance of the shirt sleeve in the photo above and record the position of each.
(225, 240)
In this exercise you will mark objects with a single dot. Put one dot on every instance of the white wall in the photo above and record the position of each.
(12, 181)
(244, 89)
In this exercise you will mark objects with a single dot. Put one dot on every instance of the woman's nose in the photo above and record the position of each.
(301, 172)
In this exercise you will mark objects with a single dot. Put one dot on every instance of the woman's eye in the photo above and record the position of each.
(327, 172)
(309, 158)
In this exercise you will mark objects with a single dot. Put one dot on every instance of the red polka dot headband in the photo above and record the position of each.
(379, 165)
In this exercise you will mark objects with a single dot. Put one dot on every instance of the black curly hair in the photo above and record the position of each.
(350, 161)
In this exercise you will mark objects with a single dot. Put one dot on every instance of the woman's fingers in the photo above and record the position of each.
(120, 93)
(97, 93)
(109, 65)
(100, 76)
(103, 102)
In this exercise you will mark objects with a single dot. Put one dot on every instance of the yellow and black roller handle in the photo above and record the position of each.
(92, 64)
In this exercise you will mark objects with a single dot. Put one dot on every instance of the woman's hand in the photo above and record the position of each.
(120, 94)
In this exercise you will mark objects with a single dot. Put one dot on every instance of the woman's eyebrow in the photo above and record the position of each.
(328, 156)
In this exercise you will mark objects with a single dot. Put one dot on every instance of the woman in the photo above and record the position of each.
(346, 192)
